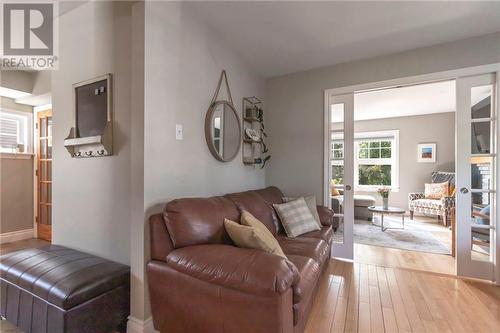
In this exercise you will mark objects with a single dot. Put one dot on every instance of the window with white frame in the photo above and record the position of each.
(376, 160)
(15, 132)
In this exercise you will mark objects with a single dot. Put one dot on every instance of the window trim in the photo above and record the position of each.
(394, 160)
(28, 135)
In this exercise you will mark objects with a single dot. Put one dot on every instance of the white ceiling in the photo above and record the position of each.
(278, 37)
(415, 100)
(429, 98)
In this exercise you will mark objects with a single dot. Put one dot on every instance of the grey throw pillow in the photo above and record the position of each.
(311, 203)
(296, 217)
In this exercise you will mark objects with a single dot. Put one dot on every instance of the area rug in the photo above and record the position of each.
(410, 238)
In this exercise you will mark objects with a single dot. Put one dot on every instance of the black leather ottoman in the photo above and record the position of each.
(55, 289)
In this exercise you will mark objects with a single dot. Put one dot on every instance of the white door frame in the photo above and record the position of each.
(466, 266)
(411, 80)
(344, 250)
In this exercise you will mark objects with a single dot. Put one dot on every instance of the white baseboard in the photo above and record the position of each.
(135, 325)
(14, 236)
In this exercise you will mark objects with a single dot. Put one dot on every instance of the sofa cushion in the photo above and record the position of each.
(271, 194)
(247, 270)
(361, 200)
(303, 291)
(325, 233)
(309, 271)
(254, 203)
(194, 221)
(60, 276)
(253, 238)
(314, 248)
(427, 203)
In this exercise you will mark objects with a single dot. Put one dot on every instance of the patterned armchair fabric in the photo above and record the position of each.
(442, 207)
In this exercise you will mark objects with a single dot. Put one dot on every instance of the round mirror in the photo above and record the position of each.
(223, 131)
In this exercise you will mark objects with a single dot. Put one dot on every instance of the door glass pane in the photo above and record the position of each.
(481, 101)
(43, 192)
(43, 127)
(49, 137)
(49, 170)
(49, 193)
(481, 172)
(481, 233)
(49, 126)
(49, 214)
(43, 215)
(480, 137)
(337, 167)
(49, 148)
(43, 148)
(43, 171)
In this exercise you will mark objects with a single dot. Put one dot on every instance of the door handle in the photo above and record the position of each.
(464, 190)
(348, 187)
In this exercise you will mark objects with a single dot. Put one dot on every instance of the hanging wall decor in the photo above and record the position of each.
(92, 131)
(255, 150)
(222, 124)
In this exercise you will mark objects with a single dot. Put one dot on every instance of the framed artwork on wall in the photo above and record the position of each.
(426, 153)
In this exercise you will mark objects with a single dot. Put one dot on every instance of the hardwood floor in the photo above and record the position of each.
(23, 244)
(360, 297)
(396, 258)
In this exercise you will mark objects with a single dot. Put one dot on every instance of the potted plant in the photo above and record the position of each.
(384, 193)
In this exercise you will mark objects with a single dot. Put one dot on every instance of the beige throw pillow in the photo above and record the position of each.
(311, 203)
(252, 238)
(436, 190)
(296, 217)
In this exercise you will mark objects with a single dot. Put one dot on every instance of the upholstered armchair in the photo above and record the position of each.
(443, 207)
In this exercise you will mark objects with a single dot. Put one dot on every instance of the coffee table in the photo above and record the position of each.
(387, 211)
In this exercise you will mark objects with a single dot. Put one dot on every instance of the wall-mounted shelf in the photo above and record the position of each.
(90, 146)
(92, 133)
(252, 118)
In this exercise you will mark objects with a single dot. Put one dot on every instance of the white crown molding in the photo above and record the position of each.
(135, 325)
(14, 236)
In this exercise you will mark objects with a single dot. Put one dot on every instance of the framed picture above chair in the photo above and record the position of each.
(426, 153)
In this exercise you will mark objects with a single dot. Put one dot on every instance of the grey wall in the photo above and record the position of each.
(16, 181)
(91, 196)
(16, 185)
(18, 80)
(295, 104)
(438, 128)
(16, 206)
(184, 60)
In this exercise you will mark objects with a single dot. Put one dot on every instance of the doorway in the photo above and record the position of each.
(475, 199)
(44, 175)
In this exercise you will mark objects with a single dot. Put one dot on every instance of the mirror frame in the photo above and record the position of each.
(208, 131)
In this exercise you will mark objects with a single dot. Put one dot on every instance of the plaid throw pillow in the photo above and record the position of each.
(296, 217)
(311, 203)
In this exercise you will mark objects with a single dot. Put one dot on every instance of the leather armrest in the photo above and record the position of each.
(325, 215)
(247, 270)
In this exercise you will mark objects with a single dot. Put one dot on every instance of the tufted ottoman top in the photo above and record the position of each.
(61, 276)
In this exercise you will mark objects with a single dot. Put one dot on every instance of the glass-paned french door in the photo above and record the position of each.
(339, 170)
(476, 200)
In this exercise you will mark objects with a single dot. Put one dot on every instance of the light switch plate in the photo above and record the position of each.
(178, 132)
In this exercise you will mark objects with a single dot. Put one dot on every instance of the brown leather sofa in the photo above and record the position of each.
(200, 282)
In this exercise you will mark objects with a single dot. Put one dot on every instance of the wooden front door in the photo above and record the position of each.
(44, 175)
